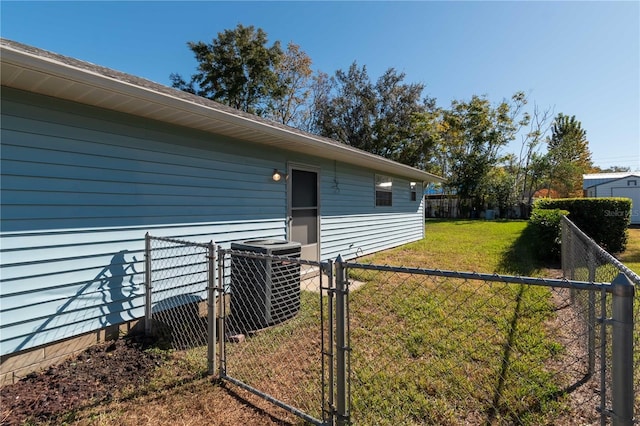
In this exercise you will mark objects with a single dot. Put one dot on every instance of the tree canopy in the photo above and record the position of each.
(237, 69)
(481, 131)
(288, 105)
(569, 156)
(377, 118)
(464, 143)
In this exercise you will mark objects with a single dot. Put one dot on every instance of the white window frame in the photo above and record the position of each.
(383, 185)
(413, 191)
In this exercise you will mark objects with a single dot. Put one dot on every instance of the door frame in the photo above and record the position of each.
(291, 166)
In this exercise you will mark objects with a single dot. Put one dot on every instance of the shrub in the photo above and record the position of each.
(605, 220)
(545, 231)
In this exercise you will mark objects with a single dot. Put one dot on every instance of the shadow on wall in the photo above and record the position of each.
(112, 280)
(113, 296)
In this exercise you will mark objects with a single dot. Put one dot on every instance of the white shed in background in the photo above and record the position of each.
(624, 184)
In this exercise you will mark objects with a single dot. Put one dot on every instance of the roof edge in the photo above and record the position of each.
(143, 91)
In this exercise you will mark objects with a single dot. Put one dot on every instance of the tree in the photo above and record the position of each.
(347, 113)
(532, 166)
(237, 69)
(475, 132)
(378, 118)
(430, 133)
(321, 87)
(499, 186)
(398, 106)
(569, 156)
(538, 173)
(294, 76)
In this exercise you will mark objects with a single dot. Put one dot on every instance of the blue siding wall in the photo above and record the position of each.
(81, 187)
(95, 173)
(351, 223)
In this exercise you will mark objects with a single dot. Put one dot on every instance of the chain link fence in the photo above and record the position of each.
(380, 345)
(583, 259)
(276, 318)
(451, 348)
(179, 275)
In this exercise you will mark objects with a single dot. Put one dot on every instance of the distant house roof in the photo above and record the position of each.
(595, 179)
(35, 70)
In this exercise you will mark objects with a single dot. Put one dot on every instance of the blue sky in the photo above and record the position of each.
(578, 58)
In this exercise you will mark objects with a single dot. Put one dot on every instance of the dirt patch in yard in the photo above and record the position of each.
(582, 391)
(111, 383)
(94, 376)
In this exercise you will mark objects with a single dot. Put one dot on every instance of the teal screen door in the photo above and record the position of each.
(303, 211)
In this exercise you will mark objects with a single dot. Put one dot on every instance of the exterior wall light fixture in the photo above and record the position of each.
(277, 175)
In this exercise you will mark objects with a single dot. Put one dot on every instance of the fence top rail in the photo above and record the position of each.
(258, 255)
(179, 242)
(509, 279)
(602, 252)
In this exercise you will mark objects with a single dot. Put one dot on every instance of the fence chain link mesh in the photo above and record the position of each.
(277, 339)
(442, 350)
(583, 259)
(178, 279)
(422, 347)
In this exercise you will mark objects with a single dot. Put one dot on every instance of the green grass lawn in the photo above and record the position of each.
(478, 246)
(631, 256)
(447, 351)
(424, 350)
(483, 353)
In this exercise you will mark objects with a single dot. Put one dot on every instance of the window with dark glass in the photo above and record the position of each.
(384, 191)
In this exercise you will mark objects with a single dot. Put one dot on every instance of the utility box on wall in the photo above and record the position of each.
(264, 291)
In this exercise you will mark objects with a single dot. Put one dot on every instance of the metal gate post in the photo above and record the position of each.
(591, 265)
(341, 348)
(211, 309)
(222, 307)
(564, 246)
(147, 284)
(622, 351)
(329, 350)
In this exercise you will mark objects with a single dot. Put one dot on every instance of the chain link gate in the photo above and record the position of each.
(267, 320)
(276, 320)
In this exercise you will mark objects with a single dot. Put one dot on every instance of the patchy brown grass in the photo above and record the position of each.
(175, 392)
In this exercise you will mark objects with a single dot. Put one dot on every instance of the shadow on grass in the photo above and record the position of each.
(497, 406)
(506, 357)
(248, 404)
(519, 260)
(186, 385)
(555, 396)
